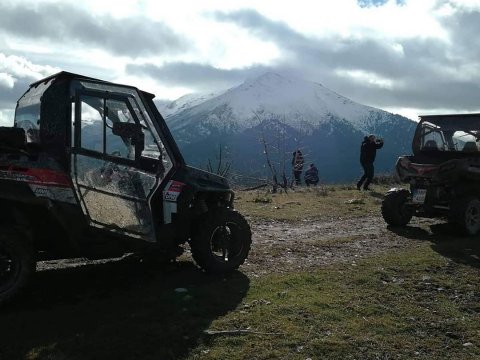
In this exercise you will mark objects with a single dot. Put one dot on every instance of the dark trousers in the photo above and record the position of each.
(311, 182)
(368, 171)
(297, 174)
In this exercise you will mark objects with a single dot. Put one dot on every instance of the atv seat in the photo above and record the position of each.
(470, 146)
(430, 145)
(11, 137)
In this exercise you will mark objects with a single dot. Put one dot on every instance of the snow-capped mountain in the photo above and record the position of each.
(328, 126)
(301, 104)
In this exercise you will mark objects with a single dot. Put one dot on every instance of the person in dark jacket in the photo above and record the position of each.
(297, 165)
(368, 152)
(311, 175)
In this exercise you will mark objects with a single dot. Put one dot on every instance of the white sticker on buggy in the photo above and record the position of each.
(58, 193)
(170, 195)
(173, 190)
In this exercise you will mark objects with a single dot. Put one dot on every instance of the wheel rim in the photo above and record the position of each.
(8, 267)
(472, 217)
(405, 211)
(225, 243)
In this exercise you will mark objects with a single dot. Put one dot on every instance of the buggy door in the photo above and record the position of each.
(114, 180)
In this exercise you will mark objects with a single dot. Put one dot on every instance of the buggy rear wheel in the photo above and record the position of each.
(221, 242)
(465, 215)
(17, 264)
(395, 210)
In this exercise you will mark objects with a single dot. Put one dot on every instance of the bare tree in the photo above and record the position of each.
(222, 166)
(275, 148)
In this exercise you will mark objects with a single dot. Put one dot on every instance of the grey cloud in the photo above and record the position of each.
(198, 76)
(464, 28)
(377, 3)
(421, 74)
(330, 52)
(65, 23)
(434, 94)
(261, 26)
(9, 96)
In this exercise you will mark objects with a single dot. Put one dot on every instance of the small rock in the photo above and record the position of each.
(181, 290)
(467, 344)
(452, 335)
(354, 201)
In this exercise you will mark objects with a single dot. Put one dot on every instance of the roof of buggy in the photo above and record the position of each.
(72, 76)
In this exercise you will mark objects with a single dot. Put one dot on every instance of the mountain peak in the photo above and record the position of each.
(303, 104)
(267, 80)
(271, 77)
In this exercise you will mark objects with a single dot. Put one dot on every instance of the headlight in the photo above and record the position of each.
(405, 162)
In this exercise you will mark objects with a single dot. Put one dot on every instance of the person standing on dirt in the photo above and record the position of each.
(368, 152)
(297, 165)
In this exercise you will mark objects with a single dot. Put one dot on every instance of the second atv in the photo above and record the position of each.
(443, 174)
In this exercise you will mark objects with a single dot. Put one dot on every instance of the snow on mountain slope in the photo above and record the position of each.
(184, 102)
(301, 104)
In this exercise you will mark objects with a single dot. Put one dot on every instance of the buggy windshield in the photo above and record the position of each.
(452, 133)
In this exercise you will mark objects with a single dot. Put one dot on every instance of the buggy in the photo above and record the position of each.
(90, 169)
(443, 174)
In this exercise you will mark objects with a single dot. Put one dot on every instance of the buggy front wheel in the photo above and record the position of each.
(395, 210)
(221, 241)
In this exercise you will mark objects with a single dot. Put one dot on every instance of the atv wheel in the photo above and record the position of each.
(221, 241)
(17, 264)
(465, 215)
(395, 211)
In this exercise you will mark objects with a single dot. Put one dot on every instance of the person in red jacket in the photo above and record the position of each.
(368, 152)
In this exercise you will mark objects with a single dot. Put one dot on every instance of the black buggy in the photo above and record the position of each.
(443, 173)
(90, 169)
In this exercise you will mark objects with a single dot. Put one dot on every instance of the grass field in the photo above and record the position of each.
(421, 301)
(308, 203)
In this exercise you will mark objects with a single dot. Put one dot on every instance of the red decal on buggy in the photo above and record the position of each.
(173, 190)
(38, 176)
(176, 186)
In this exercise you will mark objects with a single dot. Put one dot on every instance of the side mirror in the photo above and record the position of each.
(130, 131)
(125, 130)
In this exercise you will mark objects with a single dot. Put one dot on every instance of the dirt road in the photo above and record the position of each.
(283, 246)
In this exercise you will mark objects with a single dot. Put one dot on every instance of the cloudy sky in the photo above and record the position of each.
(405, 56)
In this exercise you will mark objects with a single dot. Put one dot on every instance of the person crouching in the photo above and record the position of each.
(311, 176)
